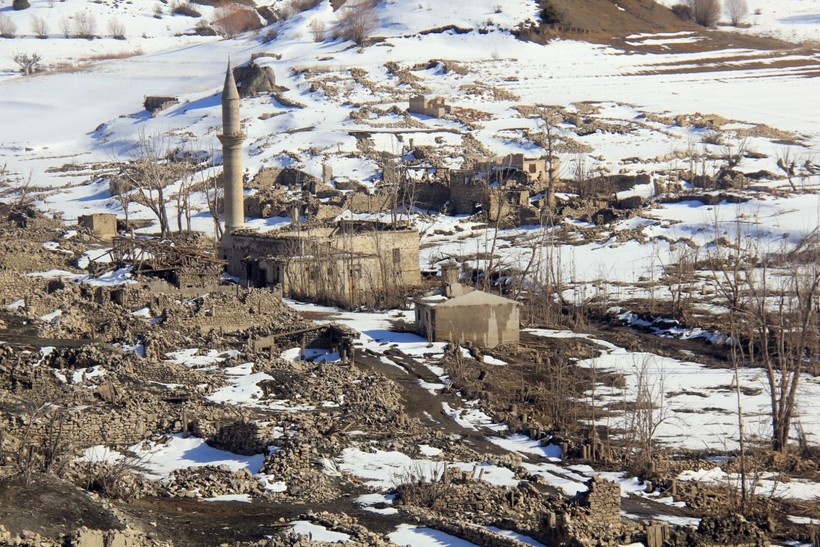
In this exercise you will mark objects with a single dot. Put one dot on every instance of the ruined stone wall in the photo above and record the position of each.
(368, 203)
(92, 426)
(102, 224)
(467, 194)
(398, 251)
(473, 533)
(14, 286)
(435, 108)
(85, 537)
(603, 500)
(337, 278)
(430, 195)
(118, 426)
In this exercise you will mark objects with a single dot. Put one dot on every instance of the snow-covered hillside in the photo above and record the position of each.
(62, 125)
(792, 20)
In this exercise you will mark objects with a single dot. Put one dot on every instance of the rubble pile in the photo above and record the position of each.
(335, 522)
(209, 481)
(83, 537)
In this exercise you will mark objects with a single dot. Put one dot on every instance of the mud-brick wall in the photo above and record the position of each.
(430, 195)
(368, 203)
(465, 194)
(400, 245)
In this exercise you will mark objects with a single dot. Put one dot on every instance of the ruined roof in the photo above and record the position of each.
(340, 227)
(474, 298)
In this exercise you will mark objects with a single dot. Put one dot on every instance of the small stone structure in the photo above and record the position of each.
(460, 314)
(435, 108)
(103, 225)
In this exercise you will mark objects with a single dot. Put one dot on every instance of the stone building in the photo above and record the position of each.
(517, 166)
(103, 225)
(461, 314)
(471, 194)
(435, 108)
(349, 263)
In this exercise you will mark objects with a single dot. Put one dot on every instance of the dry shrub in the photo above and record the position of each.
(683, 11)
(85, 25)
(7, 27)
(112, 55)
(116, 29)
(185, 9)
(39, 26)
(705, 12)
(737, 10)
(231, 19)
(357, 21)
(317, 29)
(28, 63)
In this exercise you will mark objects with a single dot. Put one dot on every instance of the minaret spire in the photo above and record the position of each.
(231, 139)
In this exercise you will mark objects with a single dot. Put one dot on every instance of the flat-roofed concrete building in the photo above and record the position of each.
(463, 315)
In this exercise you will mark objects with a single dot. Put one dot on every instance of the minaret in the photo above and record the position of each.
(231, 139)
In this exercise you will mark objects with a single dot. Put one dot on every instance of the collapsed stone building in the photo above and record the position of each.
(348, 263)
(435, 108)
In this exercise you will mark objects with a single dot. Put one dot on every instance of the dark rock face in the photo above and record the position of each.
(154, 104)
(252, 80)
(19, 5)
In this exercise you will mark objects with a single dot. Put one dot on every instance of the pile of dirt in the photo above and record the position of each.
(51, 507)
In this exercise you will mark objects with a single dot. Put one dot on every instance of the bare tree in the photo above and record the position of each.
(156, 166)
(357, 21)
(27, 62)
(737, 11)
(549, 119)
(214, 194)
(39, 26)
(648, 412)
(774, 301)
(7, 27)
(705, 12)
(183, 197)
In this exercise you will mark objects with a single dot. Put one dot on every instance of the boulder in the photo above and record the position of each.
(252, 79)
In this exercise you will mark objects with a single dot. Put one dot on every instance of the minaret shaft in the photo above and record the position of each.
(232, 138)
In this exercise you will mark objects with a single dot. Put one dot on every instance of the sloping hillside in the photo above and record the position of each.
(611, 21)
